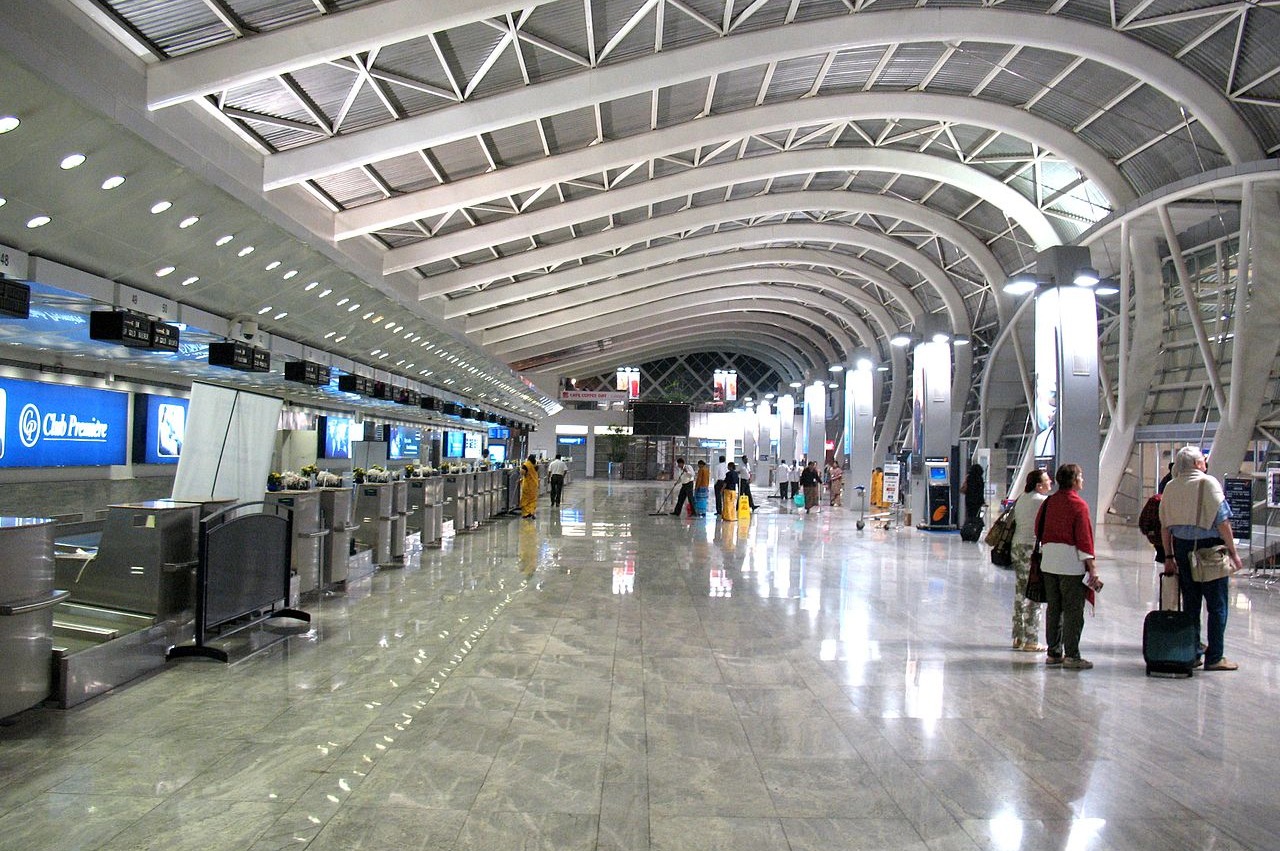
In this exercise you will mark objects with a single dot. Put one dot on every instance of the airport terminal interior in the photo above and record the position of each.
(289, 290)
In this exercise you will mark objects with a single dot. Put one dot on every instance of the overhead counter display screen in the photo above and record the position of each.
(57, 425)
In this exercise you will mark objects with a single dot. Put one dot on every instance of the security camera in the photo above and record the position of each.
(248, 330)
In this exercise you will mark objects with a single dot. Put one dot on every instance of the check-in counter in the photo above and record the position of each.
(459, 494)
(27, 600)
(373, 514)
(399, 517)
(426, 510)
(335, 551)
(309, 533)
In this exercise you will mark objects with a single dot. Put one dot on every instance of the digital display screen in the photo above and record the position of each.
(58, 425)
(576, 441)
(404, 442)
(337, 438)
(471, 444)
(937, 475)
(165, 428)
(498, 453)
(454, 444)
(499, 433)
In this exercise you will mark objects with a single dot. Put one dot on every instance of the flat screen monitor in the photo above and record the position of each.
(498, 453)
(471, 445)
(404, 442)
(454, 444)
(937, 474)
(336, 434)
(160, 426)
(658, 419)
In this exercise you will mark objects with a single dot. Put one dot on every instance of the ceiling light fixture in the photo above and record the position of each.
(8, 123)
(163, 271)
(246, 251)
(1021, 284)
(38, 221)
(113, 181)
(353, 308)
(290, 274)
(340, 339)
(188, 222)
(1086, 276)
(311, 286)
(223, 240)
(324, 293)
(281, 315)
(274, 264)
(342, 301)
(70, 161)
(266, 309)
(189, 281)
(160, 206)
(901, 339)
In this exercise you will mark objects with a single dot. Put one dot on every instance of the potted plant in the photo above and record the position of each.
(310, 471)
(274, 481)
(358, 475)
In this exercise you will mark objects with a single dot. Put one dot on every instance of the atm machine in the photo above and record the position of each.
(938, 481)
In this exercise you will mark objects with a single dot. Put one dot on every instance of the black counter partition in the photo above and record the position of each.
(243, 573)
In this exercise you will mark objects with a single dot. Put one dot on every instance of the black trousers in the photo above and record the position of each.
(686, 495)
(557, 489)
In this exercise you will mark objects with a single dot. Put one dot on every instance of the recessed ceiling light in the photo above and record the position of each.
(281, 315)
(113, 181)
(388, 325)
(330, 334)
(273, 264)
(8, 123)
(311, 286)
(367, 315)
(70, 161)
(2, 201)
(163, 271)
(224, 239)
(291, 273)
(266, 309)
(188, 222)
(324, 293)
(160, 206)
(375, 320)
(399, 328)
(246, 251)
(353, 308)
(383, 355)
(189, 281)
(340, 339)
(38, 221)
(343, 301)
(376, 352)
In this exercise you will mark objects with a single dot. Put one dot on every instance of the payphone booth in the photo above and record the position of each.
(938, 478)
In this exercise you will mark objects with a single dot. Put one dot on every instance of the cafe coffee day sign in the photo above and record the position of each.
(56, 425)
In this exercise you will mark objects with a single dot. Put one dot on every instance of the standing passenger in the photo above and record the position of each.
(684, 478)
(1066, 535)
(729, 496)
(555, 473)
(721, 469)
(1026, 614)
(811, 481)
(529, 487)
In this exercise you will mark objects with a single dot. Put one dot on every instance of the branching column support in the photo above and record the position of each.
(1256, 324)
(897, 401)
(1141, 332)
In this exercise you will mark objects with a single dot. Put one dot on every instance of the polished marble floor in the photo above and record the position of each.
(599, 678)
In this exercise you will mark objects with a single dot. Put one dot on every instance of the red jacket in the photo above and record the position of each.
(1066, 521)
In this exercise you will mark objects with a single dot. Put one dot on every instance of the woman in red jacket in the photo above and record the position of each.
(1065, 531)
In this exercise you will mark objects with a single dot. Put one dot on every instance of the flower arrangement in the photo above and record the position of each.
(411, 472)
(295, 481)
(274, 481)
(328, 480)
(310, 470)
(377, 473)
(358, 475)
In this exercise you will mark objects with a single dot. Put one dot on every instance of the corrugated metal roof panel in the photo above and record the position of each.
(176, 26)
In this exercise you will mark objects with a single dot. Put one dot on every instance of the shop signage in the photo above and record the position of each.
(1239, 495)
(593, 396)
(892, 480)
(164, 427)
(56, 425)
(571, 441)
(1273, 488)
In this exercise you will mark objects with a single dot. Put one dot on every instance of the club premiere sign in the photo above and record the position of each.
(56, 425)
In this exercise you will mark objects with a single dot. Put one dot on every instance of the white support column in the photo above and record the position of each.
(815, 421)
(862, 426)
(787, 428)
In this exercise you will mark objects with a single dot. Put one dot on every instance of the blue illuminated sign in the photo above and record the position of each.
(454, 444)
(499, 433)
(337, 437)
(166, 426)
(571, 441)
(57, 425)
(404, 443)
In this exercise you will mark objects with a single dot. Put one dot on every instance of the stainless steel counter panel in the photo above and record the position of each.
(336, 503)
(373, 513)
(27, 598)
(308, 534)
(399, 517)
(145, 560)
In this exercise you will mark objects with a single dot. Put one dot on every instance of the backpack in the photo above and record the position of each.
(1000, 538)
(1149, 520)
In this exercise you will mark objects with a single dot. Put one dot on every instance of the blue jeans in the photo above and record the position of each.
(1214, 595)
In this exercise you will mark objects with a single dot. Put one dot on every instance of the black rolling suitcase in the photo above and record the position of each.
(1169, 644)
(972, 529)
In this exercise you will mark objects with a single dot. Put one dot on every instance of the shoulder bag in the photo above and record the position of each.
(1035, 591)
(1000, 538)
(1208, 564)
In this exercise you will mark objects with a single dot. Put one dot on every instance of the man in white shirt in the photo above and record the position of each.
(744, 482)
(684, 478)
(556, 471)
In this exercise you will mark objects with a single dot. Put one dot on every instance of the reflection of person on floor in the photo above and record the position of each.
(529, 487)
(527, 546)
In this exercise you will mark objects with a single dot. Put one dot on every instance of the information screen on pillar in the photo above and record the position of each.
(471, 444)
(160, 426)
(498, 453)
(454, 444)
(336, 434)
(404, 442)
(937, 474)
(58, 425)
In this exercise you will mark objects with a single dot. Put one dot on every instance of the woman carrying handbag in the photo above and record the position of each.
(1064, 530)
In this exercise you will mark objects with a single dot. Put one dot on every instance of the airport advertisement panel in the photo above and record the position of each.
(58, 425)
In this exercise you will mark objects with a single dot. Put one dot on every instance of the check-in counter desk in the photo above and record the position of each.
(27, 600)
(511, 477)
(375, 513)
(426, 508)
(335, 549)
(459, 500)
(309, 533)
(399, 518)
(493, 483)
(132, 593)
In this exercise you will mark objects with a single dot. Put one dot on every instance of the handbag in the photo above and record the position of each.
(1035, 591)
(1208, 563)
(1000, 538)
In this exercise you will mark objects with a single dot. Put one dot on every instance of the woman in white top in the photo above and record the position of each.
(1026, 614)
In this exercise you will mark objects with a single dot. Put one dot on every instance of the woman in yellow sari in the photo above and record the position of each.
(529, 487)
